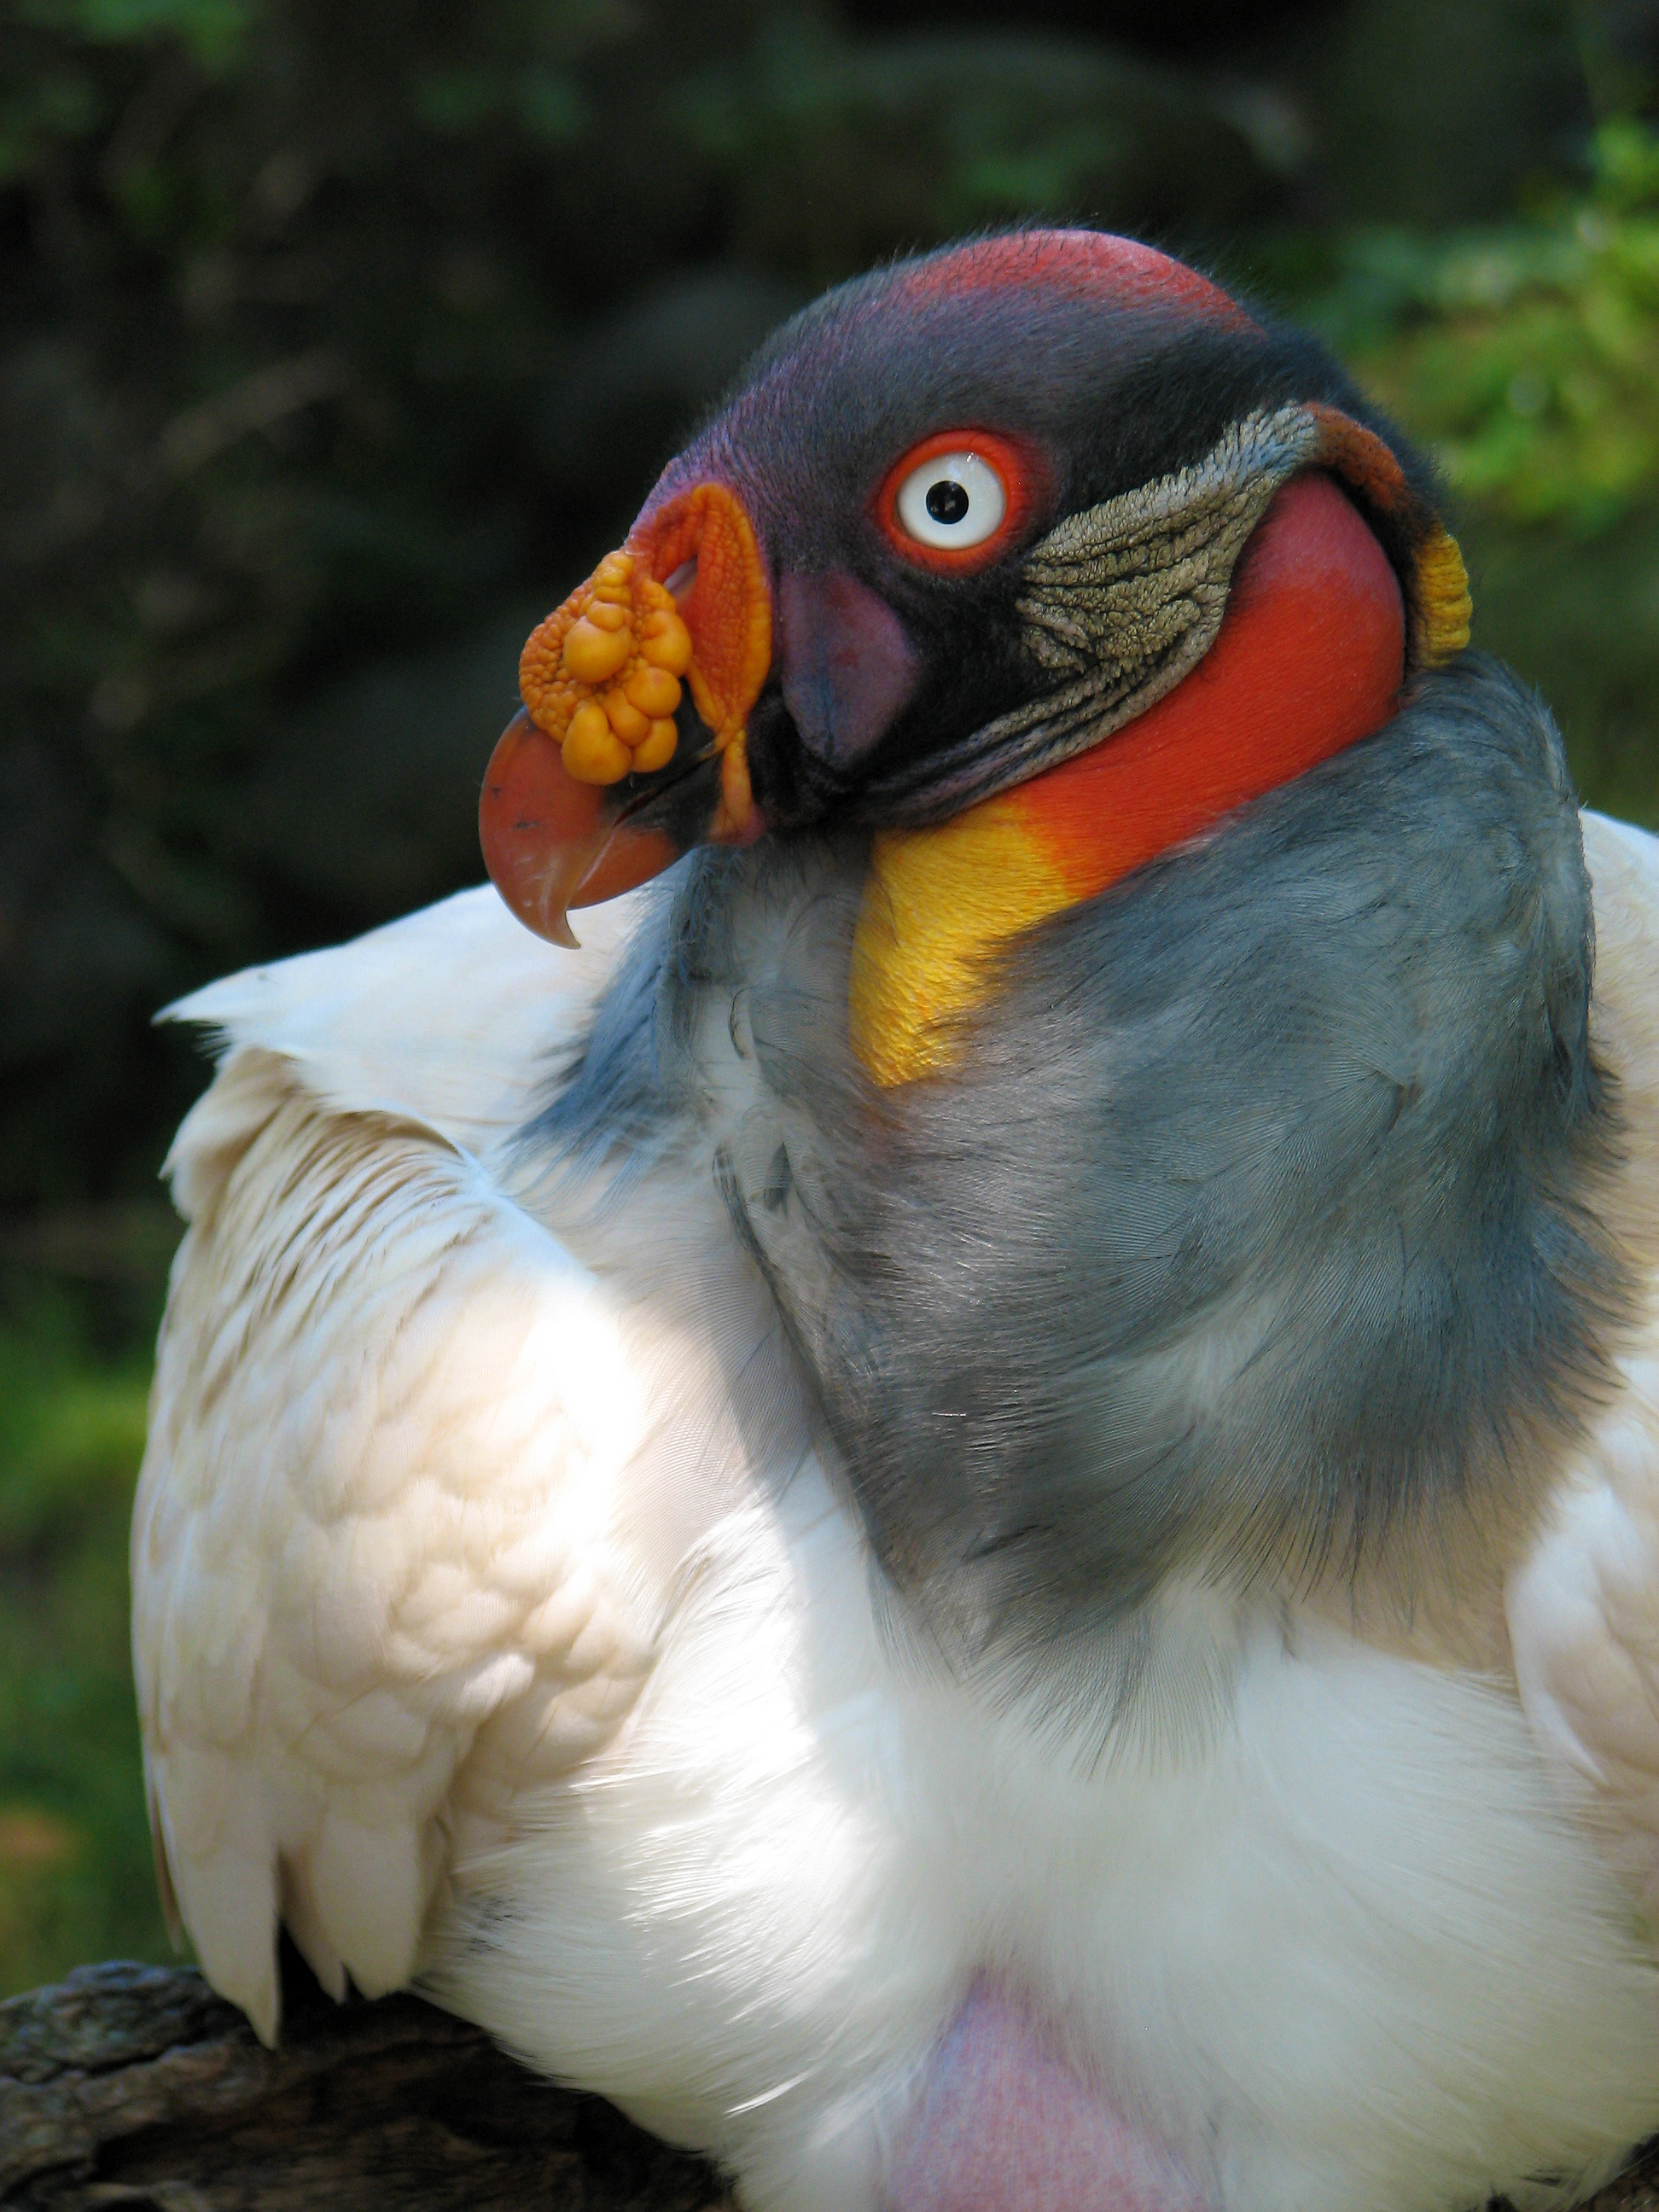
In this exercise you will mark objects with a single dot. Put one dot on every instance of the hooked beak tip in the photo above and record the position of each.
(544, 834)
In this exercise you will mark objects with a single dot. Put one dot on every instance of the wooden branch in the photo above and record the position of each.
(135, 2087)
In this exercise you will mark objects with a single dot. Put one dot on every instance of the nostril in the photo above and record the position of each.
(678, 586)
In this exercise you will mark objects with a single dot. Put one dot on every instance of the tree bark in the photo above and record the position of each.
(135, 2087)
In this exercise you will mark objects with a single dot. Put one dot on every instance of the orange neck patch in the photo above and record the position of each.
(1310, 658)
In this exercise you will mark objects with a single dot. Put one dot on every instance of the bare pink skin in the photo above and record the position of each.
(1002, 2124)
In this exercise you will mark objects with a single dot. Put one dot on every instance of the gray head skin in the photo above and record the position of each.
(1252, 1237)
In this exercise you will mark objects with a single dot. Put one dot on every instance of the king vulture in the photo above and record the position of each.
(971, 1508)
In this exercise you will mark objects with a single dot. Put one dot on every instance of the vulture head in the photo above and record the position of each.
(964, 520)
(1216, 1196)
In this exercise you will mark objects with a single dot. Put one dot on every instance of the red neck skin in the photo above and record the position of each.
(1310, 658)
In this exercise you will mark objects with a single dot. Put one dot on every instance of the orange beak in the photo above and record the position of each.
(607, 776)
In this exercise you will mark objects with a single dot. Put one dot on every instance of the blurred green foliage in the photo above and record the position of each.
(1525, 354)
(340, 339)
(76, 1877)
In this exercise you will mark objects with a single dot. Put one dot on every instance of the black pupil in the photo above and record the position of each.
(946, 501)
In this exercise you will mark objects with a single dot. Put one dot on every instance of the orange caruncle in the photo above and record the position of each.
(602, 674)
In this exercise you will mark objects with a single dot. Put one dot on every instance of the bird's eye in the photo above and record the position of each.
(957, 500)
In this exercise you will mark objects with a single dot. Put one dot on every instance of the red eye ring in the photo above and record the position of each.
(1025, 477)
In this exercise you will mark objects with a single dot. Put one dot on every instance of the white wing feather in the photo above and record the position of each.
(452, 1015)
(376, 1585)
(1584, 1608)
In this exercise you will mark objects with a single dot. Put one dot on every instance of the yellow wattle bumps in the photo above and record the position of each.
(605, 674)
(602, 674)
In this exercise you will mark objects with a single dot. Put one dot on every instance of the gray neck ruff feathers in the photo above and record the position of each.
(1253, 1241)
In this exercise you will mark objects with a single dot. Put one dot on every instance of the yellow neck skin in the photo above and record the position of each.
(937, 903)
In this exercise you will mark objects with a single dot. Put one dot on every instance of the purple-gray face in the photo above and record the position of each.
(837, 602)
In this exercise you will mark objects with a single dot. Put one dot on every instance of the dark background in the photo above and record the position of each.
(338, 338)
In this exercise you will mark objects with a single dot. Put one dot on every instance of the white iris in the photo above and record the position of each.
(955, 499)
